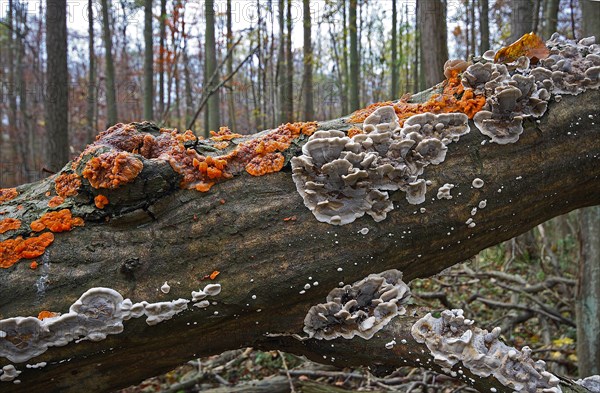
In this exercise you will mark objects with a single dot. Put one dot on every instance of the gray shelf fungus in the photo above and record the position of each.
(96, 314)
(360, 309)
(341, 179)
(518, 90)
(591, 383)
(452, 339)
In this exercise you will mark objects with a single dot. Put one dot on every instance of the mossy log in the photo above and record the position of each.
(267, 246)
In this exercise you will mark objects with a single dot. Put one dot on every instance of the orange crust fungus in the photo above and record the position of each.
(47, 314)
(261, 165)
(224, 134)
(33, 265)
(9, 224)
(100, 201)
(6, 194)
(454, 98)
(67, 184)
(221, 145)
(13, 250)
(60, 221)
(112, 169)
(56, 201)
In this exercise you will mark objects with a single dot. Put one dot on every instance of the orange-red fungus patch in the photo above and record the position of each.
(60, 221)
(33, 265)
(67, 184)
(112, 169)
(269, 163)
(100, 201)
(47, 314)
(56, 201)
(221, 145)
(13, 250)
(354, 131)
(454, 98)
(9, 224)
(214, 274)
(530, 45)
(6, 194)
(224, 134)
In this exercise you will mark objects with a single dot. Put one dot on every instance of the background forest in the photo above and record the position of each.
(251, 65)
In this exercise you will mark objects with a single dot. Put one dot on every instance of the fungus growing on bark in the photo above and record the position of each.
(9, 224)
(444, 191)
(112, 169)
(47, 314)
(67, 184)
(452, 339)
(342, 178)
(56, 201)
(261, 165)
(33, 265)
(6, 194)
(360, 309)
(454, 67)
(100, 201)
(9, 373)
(59, 221)
(477, 183)
(13, 250)
(224, 134)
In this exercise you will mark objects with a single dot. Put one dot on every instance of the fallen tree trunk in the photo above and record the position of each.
(274, 259)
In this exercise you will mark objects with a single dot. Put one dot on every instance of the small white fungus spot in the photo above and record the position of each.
(483, 204)
(473, 211)
(390, 345)
(165, 288)
(307, 286)
(339, 269)
(253, 297)
(477, 183)
(364, 231)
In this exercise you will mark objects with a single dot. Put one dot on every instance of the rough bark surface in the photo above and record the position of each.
(153, 232)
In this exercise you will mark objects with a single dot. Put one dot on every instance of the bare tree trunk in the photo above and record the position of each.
(417, 61)
(148, 62)
(25, 126)
(472, 7)
(394, 62)
(588, 293)
(590, 11)
(161, 58)
(550, 17)
(281, 65)
(230, 95)
(434, 47)
(57, 95)
(346, 78)
(521, 21)
(92, 85)
(289, 65)
(484, 26)
(309, 111)
(213, 107)
(111, 94)
(354, 60)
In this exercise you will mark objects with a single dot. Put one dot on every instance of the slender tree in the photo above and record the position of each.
(484, 26)
(161, 57)
(434, 47)
(289, 65)
(354, 60)
(57, 92)
(551, 17)
(111, 95)
(521, 20)
(281, 64)
(345, 82)
(588, 288)
(92, 87)
(394, 64)
(148, 62)
(308, 64)
(214, 118)
(230, 102)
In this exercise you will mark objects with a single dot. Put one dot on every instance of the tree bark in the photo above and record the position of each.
(161, 58)
(521, 20)
(354, 59)
(213, 107)
(111, 94)
(394, 63)
(484, 26)
(148, 62)
(308, 64)
(92, 87)
(550, 17)
(590, 11)
(434, 46)
(266, 244)
(289, 65)
(57, 93)
(230, 94)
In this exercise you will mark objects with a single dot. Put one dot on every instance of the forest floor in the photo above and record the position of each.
(526, 286)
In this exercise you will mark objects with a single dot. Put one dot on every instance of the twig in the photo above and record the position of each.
(287, 372)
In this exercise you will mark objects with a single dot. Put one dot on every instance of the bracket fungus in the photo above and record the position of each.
(360, 309)
(342, 178)
(521, 88)
(452, 339)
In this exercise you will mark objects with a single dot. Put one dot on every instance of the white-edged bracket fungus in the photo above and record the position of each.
(444, 191)
(96, 314)
(477, 183)
(360, 309)
(452, 339)
(341, 179)
(518, 90)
